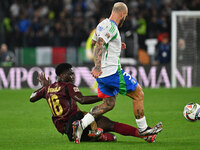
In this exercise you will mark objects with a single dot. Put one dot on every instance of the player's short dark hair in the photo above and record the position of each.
(63, 67)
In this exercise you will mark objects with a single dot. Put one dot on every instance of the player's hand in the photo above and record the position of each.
(43, 80)
(96, 72)
(123, 46)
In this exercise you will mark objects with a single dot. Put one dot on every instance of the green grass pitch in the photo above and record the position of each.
(25, 125)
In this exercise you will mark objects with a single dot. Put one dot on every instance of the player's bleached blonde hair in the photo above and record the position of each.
(119, 6)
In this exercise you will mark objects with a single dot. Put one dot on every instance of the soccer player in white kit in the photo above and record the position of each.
(111, 78)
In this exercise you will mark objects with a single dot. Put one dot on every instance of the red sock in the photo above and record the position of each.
(125, 129)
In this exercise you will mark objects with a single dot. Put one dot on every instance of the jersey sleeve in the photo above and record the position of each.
(38, 94)
(106, 30)
(41, 93)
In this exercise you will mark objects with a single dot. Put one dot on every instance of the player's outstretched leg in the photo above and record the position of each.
(110, 126)
(77, 131)
(151, 131)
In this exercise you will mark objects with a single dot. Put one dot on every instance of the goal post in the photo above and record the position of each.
(185, 40)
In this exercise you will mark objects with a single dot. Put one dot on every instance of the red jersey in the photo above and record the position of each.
(59, 97)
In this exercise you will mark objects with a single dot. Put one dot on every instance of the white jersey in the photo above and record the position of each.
(109, 32)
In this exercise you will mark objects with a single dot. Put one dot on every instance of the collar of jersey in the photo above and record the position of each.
(113, 22)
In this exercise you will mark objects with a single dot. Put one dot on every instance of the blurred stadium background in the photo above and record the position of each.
(39, 34)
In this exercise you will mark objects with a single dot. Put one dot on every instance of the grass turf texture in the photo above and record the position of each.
(26, 125)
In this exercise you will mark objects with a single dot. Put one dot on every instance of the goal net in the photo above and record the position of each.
(185, 39)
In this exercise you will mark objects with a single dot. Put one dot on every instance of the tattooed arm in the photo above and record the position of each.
(98, 50)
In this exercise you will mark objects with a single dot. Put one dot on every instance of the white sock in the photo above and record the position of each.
(142, 124)
(87, 120)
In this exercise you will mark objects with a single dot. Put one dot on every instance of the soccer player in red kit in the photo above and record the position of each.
(62, 97)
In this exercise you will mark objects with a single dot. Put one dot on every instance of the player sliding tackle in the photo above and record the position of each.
(62, 97)
(111, 78)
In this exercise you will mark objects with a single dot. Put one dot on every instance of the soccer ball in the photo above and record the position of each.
(192, 111)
